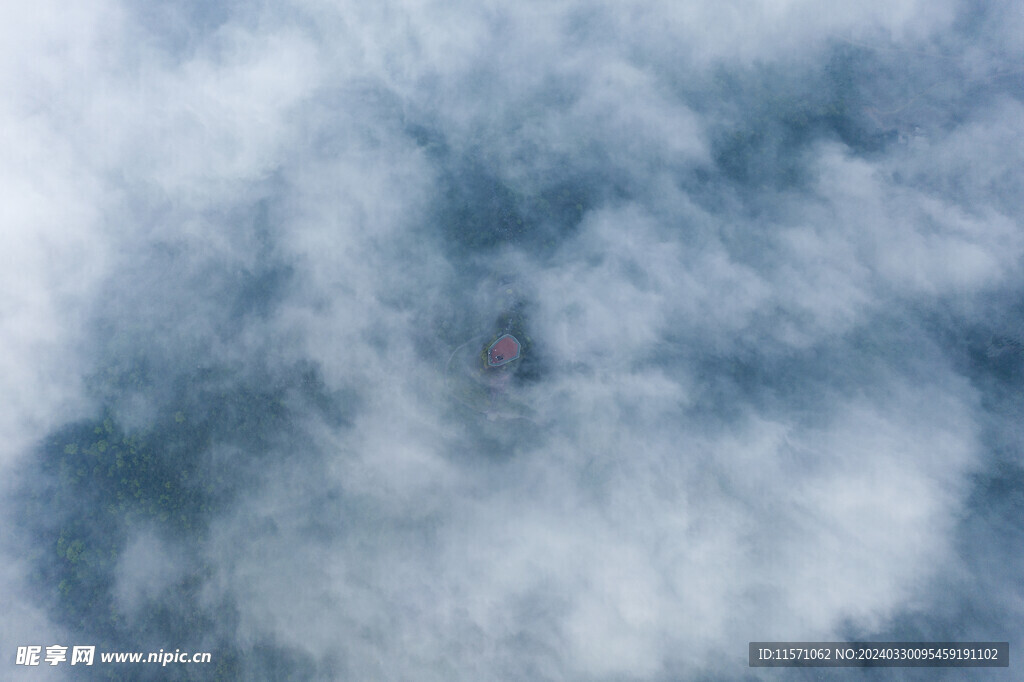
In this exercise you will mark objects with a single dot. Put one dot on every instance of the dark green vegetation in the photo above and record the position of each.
(98, 483)
(478, 210)
(764, 133)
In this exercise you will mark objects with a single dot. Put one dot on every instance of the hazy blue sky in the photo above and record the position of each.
(768, 256)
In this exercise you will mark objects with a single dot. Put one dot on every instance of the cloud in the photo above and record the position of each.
(145, 570)
(764, 261)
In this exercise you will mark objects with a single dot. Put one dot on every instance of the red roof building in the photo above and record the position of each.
(503, 351)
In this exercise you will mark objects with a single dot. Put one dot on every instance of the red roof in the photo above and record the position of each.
(504, 350)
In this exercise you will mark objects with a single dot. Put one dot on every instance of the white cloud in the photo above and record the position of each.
(715, 454)
(145, 571)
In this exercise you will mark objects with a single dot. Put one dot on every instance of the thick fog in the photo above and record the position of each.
(765, 259)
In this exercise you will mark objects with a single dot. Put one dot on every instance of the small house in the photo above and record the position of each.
(503, 351)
